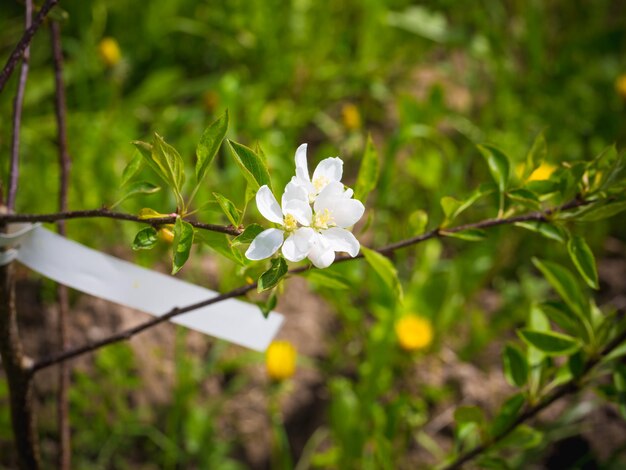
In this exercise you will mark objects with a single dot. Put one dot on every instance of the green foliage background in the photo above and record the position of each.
(429, 82)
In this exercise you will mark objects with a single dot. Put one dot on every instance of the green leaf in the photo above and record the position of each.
(269, 305)
(368, 172)
(249, 234)
(139, 187)
(560, 314)
(548, 230)
(522, 437)
(181, 246)
(619, 380)
(209, 145)
(507, 414)
(564, 283)
(470, 234)
(170, 161)
(147, 213)
(418, 220)
(525, 197)
(385, 269)
(602, 212)
(576, 364)
(498, 164)
(273, 275)
(542, 187)
(549, 342)
(229, 209)
(133, 167)
(515, 365)
(536, 155)
(583, 259)
(452, 207)
(219, 243)
(326, 278)
(252, 166)
(145, 239)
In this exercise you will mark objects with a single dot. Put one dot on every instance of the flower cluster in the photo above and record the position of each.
(314, 215)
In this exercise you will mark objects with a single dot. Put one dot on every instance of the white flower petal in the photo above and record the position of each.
(300, 210)
(329, 196)
(340, 239)
(348, 193)
(265, 244)
(268, 206)
(294, 191)
(347, 212)
(298, 244)
(329, 168)
(302, 168)
(320, 257)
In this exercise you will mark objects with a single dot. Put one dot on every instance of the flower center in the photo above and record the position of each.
(322, 220)
(320, 182)
(290, 223)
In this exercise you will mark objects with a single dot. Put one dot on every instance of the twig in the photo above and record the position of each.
(65, 455)
(566, 389)
(106, 213)
(21, 46)
(14, 169)
(71, 353)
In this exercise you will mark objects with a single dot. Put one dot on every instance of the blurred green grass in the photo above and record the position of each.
(428, 81)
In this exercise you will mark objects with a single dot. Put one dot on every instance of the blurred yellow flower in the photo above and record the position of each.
(109, 51)
(414, 332)
(166, 235)
(351, 116)
(280, 360)
(620, 85)
(543, 172)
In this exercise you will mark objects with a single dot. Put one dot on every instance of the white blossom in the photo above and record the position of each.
(327, 171)
(294, 218)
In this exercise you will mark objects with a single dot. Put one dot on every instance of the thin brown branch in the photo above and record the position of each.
(71, 353)
(65, 455)
(17, 370)
(566, 389)
(14, 168)
(108, 214)
(24, 42)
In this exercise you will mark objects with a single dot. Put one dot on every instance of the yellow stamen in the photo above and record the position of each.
(322, 220)
(290, 223)
(320, 182)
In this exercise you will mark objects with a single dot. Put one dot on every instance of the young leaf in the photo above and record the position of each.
(507, 414)
(249, 234)
(269, 305)
(139, 187)
(209, 144)
(145, 239)
(525, 197)
(368, 172)
(170, 161)
(181, 246)
(536, 154)
(583, 259)
(498, 164)
(385, 269)
(564, 283)
(228, 208)
(147, 213)
(145, 150)
(219, 243)
(596, 213)
(548, 230)
(470, 234)
(273, 275)
(132, 168)
(560, 314)
(515, 366)
(252, 166)
(522, 437)
(549, 342)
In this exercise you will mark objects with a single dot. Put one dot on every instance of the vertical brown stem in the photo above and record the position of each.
(17, 368)
(17, 114)
(65, 454)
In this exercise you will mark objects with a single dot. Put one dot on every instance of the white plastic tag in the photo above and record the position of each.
(119, 281)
